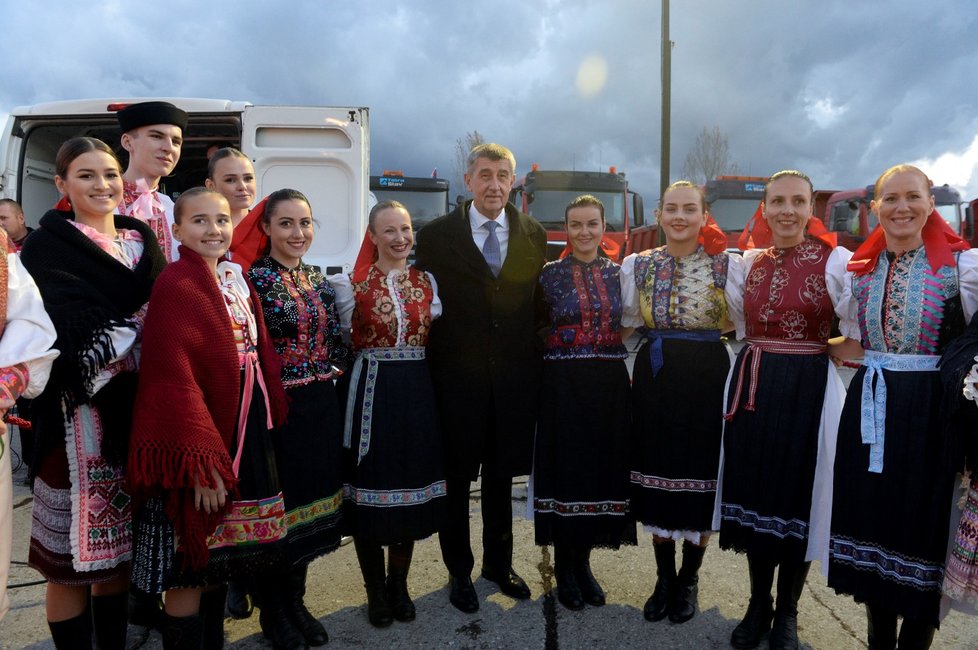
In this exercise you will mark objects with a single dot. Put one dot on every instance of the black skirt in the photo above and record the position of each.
(158, 565)
(580, 466)
(890, 530)
(308, 451)
(396, 492)
(770, 455)
(677, 424)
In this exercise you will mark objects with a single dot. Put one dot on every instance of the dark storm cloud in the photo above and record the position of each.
(840, 89)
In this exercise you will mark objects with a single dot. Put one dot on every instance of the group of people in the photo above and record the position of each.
(209, 406)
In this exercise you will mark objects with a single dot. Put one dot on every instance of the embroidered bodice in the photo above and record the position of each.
(392, 310)
(300, 312)
(239, 309)
(907, 308)
(681, 292)
(584, 302)
(786, 296)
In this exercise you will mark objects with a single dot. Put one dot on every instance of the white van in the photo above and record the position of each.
(320, 151)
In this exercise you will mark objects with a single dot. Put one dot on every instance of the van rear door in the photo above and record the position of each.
(324, 153)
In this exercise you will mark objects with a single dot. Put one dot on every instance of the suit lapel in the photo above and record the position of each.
(462, 244)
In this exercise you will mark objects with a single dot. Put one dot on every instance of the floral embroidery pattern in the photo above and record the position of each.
(776, 526)
(580, 508)
(888, 565)
(251, 522)
(673, 485)
(392, 310)
(682, 293)
(388, 498)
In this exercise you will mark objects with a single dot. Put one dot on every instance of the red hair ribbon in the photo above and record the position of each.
(939, 241)
(365, 258)
(712, 238)
(757, 232)
(63, 204)
(249, 241)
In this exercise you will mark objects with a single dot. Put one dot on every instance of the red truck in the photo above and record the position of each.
(847, 213)
(733, 201)
(544, 195)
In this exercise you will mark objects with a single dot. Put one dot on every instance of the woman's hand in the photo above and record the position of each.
(210, 499)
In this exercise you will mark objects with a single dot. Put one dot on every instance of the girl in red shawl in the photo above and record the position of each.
(209, 394)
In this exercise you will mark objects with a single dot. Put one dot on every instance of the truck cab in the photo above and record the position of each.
(545, 194)
(733, 200)
(320, 151)
(426, 198)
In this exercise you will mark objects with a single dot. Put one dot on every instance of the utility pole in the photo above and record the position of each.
(666, 98)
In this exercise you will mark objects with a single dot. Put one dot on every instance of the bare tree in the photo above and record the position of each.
(462, 148)
(709, 157)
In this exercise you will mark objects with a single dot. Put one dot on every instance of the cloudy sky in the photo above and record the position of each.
(837, 88)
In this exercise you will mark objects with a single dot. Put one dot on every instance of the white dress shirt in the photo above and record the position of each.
(480, 234)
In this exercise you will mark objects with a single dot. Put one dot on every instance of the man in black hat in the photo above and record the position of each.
(152, 133)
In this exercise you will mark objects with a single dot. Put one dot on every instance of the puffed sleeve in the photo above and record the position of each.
(968, 281)
(631, 312)
(29, 334)
(345, 301)
(435, 301)
(733, 292)
(838, 281)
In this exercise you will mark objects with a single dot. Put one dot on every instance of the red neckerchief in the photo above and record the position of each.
(757, 234)
(939, 241)
(712, 238)
(249, 241)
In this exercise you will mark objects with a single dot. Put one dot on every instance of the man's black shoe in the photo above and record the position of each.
(509, 582)
(462, 594)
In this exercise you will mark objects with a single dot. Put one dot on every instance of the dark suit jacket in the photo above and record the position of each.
(484, 352)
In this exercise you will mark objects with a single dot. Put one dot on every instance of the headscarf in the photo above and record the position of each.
(249, 241)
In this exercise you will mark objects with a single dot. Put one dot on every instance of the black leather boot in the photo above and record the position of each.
(239, 603)
(591, 591)
(110, 620)
(568, 591)
(273, 616)
(145, 610)
(657, 606)
(398, 565)
(299, 615)
(915, 635)
(74, 633)
(791, 582)
(881, 627)
(371, 559)
(182, 632)
(760, 611)
(212, 617)
(687, 584)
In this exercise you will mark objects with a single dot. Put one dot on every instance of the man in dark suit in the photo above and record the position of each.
(485, 359)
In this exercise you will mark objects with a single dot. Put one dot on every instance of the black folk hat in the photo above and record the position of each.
(147, 113)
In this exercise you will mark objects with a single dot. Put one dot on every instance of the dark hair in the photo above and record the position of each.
(584, 201)
(17, 209)
(221, 154)
(179, 206)
(689, 184)
(279, 196)
(784, 173)
(896, 169)
(75, 147)
(380, 207)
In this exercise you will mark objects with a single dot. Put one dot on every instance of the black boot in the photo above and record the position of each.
(791, 582)
(273, 616)
(74, 633)
(757, 621)
(568, 591)
(657, 606)
(145, 610)
(591, 591)
(398, 565)
(881, 626)
(312, 630)
(182, 632)
(687, 584)
(212, 617)
(371, 559)
(915, 635)
(239, 603)
(110, 619)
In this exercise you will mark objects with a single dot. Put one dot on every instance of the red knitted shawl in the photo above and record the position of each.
(189, 395)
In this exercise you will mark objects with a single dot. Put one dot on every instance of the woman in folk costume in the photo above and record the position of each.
(782, 402)
(94, 270)
(202, 456)
(395, 473)
(231, 173)
(682, 296)
(580, 460)
(299, 306)
(911, 294)
(27, 337)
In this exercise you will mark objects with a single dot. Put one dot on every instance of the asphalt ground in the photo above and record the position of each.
(336, 596)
